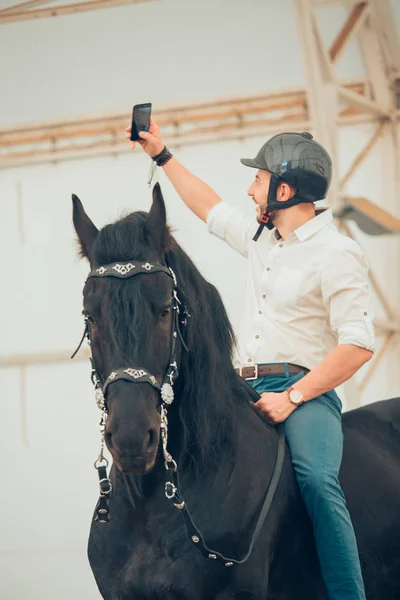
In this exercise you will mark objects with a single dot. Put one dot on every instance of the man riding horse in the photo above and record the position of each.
(308, 325)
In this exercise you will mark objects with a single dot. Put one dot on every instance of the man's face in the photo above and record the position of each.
(258, 191)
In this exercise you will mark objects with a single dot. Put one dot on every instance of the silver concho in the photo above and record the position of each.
(153, 379)
(113, 375)
(101, 271)
(123, 269)
(99, 396)
(167, 393)
(135, 373)
(147, 266)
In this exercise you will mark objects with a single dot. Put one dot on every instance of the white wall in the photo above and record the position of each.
(169, 52)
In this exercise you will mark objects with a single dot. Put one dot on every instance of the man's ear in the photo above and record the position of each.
(285, 191)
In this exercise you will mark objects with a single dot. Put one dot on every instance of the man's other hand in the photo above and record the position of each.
(275, 407)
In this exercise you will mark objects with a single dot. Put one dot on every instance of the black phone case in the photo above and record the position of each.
(139, 123)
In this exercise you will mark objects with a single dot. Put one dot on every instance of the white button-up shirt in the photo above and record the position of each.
(305, 294)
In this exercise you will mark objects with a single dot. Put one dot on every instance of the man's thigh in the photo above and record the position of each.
(315, 438)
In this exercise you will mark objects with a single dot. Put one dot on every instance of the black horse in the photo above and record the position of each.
(225, 452)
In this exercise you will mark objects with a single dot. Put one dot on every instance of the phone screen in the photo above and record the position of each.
(140, 120)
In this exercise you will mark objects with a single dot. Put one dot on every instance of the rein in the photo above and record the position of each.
(125, 270)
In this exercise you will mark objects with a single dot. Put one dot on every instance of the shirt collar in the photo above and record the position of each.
(323, 216)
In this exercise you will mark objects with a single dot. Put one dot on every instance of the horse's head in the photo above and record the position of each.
(131, 324)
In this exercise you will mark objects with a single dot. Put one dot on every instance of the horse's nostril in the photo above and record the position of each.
(151, 439)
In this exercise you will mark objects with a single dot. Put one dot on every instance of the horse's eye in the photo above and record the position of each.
(166, 311)
(91, 319)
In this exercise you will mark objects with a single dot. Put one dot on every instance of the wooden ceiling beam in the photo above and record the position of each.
(117, 144)
(23, 6)
(350, 28)
(64, 9)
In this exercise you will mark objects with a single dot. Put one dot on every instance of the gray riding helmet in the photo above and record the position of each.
(300, 161)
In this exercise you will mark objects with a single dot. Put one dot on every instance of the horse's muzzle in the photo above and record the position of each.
(133, 465)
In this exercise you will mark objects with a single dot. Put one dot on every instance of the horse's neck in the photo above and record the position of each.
(248, 461)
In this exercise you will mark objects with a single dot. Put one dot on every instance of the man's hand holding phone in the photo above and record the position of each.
(151, 141)
(196, 194)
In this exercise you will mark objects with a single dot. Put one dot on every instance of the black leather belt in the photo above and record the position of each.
(256, 371)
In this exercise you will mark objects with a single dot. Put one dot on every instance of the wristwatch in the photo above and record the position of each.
(295, 396)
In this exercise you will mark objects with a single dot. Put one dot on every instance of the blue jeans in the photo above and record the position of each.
(315, 438)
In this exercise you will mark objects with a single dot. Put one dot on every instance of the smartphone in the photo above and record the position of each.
(140, 120)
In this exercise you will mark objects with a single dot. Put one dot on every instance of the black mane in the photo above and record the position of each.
(123, 240)
(207, 388)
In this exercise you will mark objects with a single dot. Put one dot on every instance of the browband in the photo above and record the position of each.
(126, 269)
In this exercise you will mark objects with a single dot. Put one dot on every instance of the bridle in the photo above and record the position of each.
(134, 374)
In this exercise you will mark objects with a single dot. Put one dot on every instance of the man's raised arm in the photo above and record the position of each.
(197, 195)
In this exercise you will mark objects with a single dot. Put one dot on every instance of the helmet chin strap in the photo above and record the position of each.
(274, 205)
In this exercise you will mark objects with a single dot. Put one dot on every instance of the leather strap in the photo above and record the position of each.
(256, 371)
(136, 374)
(174, 496)
(128, 268)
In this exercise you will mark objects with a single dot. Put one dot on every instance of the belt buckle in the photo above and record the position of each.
(256, 374)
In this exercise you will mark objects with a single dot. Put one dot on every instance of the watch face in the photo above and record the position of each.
(295, 396)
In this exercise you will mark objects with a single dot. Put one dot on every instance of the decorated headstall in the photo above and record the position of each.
(134, 374)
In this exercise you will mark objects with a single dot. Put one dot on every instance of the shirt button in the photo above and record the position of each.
(280, 245)
(365, 314)
(257, 337)
(260, 312)
(264, 296)
(268, 268)
(249, 360)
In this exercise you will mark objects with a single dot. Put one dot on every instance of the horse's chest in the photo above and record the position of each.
(151, 572)
(140, 559)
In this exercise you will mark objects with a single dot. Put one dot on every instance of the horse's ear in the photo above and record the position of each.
(85, 229)
(157, 219)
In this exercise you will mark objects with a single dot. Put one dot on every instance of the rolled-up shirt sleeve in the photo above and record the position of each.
(231, 225)
(346, 295)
